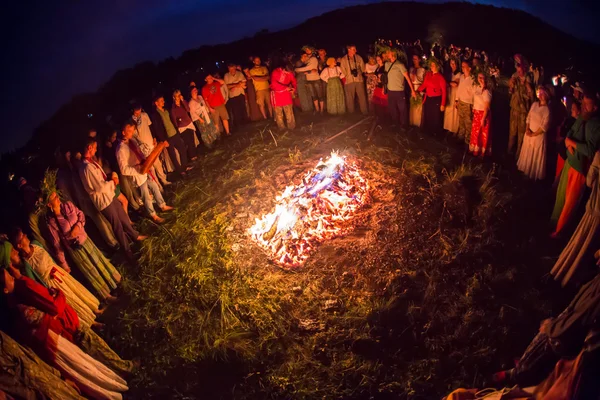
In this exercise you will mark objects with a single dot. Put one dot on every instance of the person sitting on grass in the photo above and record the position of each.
(130, 159)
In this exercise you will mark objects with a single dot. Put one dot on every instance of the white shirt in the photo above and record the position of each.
(481, 98)
(538, 117)
(235, 78)
(369, 69)
(199, 109)
(101, 191)
(142, 131)
(313, 64)
(335, 72)
(130, 164)
(465, 89)
(419, 76)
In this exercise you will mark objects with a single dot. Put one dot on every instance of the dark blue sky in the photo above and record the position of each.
(56, 49)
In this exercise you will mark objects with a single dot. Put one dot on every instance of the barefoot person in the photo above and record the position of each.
(131, 159)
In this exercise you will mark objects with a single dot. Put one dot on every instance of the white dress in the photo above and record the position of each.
(532, 159)
(451, 112)
(585, 238)
(83, 302)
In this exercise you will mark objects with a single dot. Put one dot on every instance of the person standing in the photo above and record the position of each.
(395, 77)
(147, 143)
(182, 121)
(102, 192)
(520, 89)
(582, 142)
(353, 67)
(67, 226)
(313, 80)
(464, 102)
(481, 139)
(212, 94)
(417, 75)
(532, 160)
(130, 159)
(380, 97)
(333, 76)
(283, 85)
(201, 116)
(236, 105)
(260, 80)
(371, 77)
(578, 252)
(434, 86)
(164, 131)
(451, 113)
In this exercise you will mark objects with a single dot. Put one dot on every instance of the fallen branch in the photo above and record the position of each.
(347, 129)
(372, 130)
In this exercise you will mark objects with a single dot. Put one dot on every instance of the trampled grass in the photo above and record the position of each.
(404, 306)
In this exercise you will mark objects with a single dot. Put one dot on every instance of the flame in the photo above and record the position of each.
(317, 209)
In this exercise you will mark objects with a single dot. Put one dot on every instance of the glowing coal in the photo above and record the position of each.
(321, 207)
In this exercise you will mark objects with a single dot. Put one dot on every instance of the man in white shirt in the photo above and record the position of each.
(353, 67)
(236, 84)
(130, 159)
(464, 102)
(147, 142)
(313, 80)
(102, 192)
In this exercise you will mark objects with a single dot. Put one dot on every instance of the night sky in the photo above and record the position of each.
(56, 49)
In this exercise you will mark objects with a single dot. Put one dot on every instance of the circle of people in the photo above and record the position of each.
(55, 315)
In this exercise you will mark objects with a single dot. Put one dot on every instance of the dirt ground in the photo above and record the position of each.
(443, 280)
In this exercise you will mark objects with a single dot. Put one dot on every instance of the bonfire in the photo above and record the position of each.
(319, 208)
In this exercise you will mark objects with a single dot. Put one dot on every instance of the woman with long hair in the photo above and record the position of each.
(434, 86)
(379, 101)
(451, 112)
(481, 139)
(532, 159)
(201, 116)
(417, 75)
(370, 74)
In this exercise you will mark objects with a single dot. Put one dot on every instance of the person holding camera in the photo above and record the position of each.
(353, 68)
(66, 224)
(313, 79)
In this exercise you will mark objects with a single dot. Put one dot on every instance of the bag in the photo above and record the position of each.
(563, 382)
(385, 79)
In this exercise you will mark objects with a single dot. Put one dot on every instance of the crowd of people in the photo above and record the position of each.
(443, 89)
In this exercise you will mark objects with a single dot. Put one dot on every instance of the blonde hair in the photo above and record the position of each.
(331, 62)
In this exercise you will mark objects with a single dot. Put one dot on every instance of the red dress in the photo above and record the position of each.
(281, 82)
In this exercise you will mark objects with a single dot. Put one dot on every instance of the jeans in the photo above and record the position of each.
(176, 142)
(189, 139)
(151, 186)
(397, 107)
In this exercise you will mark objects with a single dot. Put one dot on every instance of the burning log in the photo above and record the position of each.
(317, 209)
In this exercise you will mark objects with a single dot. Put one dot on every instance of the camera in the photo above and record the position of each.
(354, 72)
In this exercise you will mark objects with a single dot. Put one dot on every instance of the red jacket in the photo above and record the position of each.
(281, 83)
(434, 85)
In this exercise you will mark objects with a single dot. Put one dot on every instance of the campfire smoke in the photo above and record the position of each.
(321, 207)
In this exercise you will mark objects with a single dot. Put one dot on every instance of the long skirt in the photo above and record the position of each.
(579, 250)
(335, 96)
(415, 112)
(481, 140)
(432, 116)
(306, 103)
(95, 346)
(96, 268)
(451, 112)
(568, 195)
(253, 110)
(208, 132)
(94, 379)
(532, 160)
(83, 302)
(371, 86)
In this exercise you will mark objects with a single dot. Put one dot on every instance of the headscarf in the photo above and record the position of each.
(5, 250)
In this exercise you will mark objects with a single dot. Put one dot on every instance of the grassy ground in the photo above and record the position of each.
(440, 283)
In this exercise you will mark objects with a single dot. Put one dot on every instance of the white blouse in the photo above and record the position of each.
(199, 110)
(481, 97)
(335, 72)
(370, 69)
(538, 117)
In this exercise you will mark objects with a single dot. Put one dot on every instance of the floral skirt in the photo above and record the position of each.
(208, 132)
(481, 140)
(335, 96)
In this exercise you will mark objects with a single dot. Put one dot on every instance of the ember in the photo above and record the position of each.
(317, 209)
